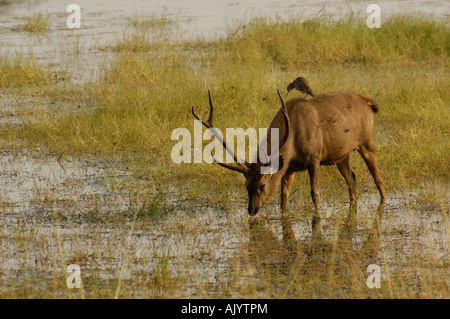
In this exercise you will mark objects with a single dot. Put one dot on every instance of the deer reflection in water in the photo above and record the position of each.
(314, 266)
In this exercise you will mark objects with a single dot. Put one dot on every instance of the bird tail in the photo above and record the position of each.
(372, 103)
(302, 85)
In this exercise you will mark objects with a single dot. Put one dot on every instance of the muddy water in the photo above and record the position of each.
(31, 179)
(160, 242)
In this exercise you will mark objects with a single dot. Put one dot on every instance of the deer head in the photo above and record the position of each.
(259, 178)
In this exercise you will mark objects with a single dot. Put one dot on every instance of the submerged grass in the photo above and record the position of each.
(215, 254)
(150, 22)
(37, 23)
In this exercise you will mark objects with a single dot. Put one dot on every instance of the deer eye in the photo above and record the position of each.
(261, 187)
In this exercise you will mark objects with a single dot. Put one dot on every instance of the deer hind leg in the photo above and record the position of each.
(314, 179)
(368, 153)
(286, 184)
(350, 177)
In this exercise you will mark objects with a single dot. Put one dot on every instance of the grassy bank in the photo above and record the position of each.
(148, 88)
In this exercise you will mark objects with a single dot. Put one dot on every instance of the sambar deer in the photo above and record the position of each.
(323, 130)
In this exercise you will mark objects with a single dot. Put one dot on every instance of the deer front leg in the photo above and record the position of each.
(286, 184)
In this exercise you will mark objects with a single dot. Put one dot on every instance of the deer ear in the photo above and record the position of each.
(281, 161)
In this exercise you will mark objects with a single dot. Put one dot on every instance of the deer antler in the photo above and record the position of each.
(283, 110)
(286, 120)
(243, 165)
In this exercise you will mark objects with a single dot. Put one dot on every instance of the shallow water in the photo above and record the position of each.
(90, 213)
(56, 211)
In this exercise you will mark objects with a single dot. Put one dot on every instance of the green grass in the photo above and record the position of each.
(152, 21)
(133, 42)
(140, 98)
(38, 23)
(20, 72)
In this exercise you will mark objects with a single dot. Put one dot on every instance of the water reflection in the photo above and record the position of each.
(316, 259)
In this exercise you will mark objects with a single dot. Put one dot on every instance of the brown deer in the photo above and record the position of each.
(323, 130)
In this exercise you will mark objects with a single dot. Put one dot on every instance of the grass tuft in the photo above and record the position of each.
(19, 71)
(38, 23)
(150, 22)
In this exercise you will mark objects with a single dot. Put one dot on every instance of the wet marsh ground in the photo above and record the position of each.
(86, 176)
(153, 242)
